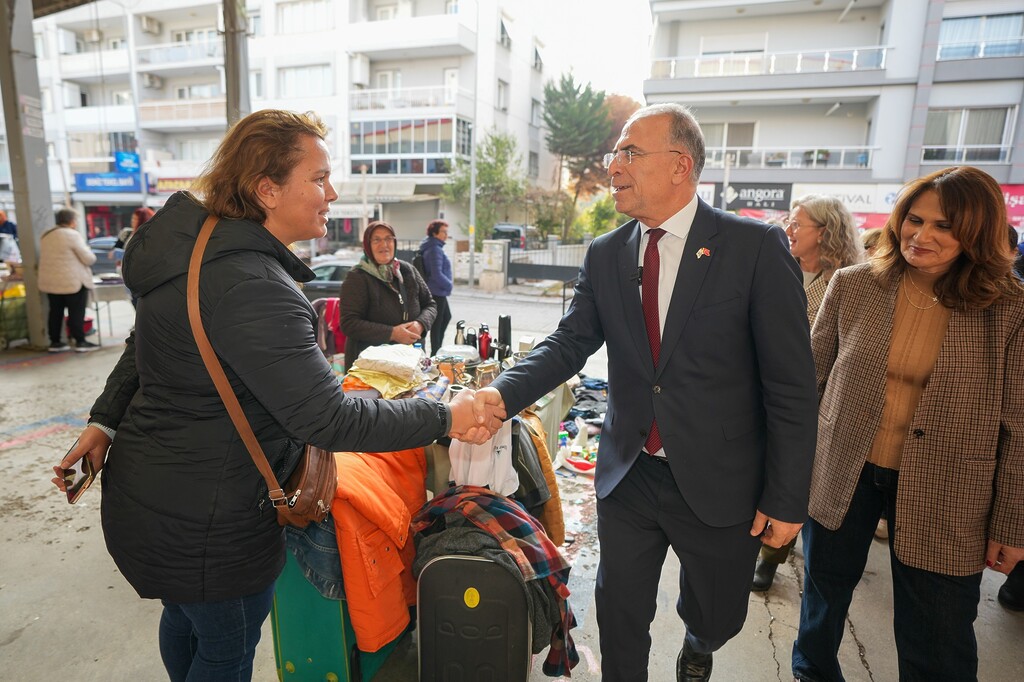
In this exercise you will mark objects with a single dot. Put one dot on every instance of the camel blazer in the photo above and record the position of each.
(961, 478)
(733, 391)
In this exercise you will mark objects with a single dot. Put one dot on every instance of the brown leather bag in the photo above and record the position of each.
(309, 491)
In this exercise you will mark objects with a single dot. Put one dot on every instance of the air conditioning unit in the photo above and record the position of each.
(92, 35)
(360, 70)
(152, 82)
(150, 25)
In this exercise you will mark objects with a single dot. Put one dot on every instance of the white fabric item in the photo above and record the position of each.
(397, 360)
(64, 260)
(487, 465)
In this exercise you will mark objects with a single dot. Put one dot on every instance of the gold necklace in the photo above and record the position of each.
(906, 294)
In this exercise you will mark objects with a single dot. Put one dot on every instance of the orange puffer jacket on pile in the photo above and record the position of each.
(377, 495)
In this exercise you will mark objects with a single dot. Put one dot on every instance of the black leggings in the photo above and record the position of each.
(75, 304)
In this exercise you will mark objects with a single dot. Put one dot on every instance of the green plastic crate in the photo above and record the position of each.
(313, 636)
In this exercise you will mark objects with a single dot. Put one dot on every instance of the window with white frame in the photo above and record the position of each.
(304, 16)
(503, 36)
(533, 165)
(501, 96)
(121, 97)
(256, 83)
(998, 35)
(314, 80)
(255, 19)
(386, 12)
(198, 91)
(979, 135)
(117, 44)
(536, 113)
(195, 150)
(451, 7)
(194, 35)
(538, 61)
(409, 146)
(46, 97)
(40, 45)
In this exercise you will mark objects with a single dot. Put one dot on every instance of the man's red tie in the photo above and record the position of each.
(649, 293)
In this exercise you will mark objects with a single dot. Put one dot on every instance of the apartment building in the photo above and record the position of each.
(846, 97)
(402, 84)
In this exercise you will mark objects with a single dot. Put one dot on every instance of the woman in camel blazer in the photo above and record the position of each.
(65, 276)
(921, 415)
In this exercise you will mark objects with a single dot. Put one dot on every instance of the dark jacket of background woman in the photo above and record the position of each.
(206, 532)
(370, 308)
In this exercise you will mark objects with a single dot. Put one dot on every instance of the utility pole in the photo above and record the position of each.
(472, 202)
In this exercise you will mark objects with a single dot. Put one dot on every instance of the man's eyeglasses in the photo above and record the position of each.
(377, 241)
(625, 156)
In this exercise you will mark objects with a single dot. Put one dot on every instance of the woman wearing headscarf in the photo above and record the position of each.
(383, 299)
(921, 415)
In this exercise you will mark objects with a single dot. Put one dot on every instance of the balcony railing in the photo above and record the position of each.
(770, 63)
(783, 157)
(162, 111)
(385, 98)
(176, 53)
(968, 153)
(1012, 47)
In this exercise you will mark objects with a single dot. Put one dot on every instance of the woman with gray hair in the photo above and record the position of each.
(822, 238)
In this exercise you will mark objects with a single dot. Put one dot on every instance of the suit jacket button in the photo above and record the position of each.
(643, 433)
(657, 389)
(918, 433)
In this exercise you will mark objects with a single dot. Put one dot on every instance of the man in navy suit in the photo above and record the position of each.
(709, 436)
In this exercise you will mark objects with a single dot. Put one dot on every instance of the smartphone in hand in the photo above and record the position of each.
(78, 478)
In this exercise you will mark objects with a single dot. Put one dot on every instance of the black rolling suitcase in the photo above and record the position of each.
(473, 622)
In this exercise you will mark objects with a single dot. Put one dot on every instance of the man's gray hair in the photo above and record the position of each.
(684, 131)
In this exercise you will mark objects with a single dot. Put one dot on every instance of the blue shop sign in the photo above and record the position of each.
(107, 182)
(126, 162)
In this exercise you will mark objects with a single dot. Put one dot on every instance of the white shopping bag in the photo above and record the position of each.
(487, 465)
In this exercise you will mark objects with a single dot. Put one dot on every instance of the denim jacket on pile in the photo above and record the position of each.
(316, 549)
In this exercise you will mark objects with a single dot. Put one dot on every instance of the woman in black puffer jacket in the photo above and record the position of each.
(184, 509)
(383, 299)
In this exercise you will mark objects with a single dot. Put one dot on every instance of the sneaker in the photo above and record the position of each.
(85, 346)
(58, 347)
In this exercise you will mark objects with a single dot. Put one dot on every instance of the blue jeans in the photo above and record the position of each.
(315, 547)
(933, 613)
(213, 641)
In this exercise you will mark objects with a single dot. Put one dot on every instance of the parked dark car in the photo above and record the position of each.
(519, 236)
(107, 257)
(329, 276)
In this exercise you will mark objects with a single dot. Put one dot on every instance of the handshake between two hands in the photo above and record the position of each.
(476, 415)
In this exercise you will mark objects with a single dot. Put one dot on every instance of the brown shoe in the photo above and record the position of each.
(691, 666)
(764, 575)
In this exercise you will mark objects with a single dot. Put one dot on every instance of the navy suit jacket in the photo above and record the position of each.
(734, 391)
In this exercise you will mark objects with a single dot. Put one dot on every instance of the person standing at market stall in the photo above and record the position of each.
(6, 226)
(185, 511)
(708, 439)
(65, 276)
(437, 271)
(383, 299)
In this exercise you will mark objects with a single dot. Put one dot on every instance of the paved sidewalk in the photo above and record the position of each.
(68, 614)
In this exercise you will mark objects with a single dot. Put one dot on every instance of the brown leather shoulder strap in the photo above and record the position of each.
(216, 371)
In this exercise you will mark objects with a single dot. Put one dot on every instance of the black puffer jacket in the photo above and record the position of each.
(184, 509)
(370, 308)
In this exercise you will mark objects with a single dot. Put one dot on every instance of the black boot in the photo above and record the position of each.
(691, 666)
(1011, 594)
(764, 575)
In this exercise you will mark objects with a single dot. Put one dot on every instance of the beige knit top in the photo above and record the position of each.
(918, 328)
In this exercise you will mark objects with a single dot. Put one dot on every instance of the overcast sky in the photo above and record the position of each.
(605, 42)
